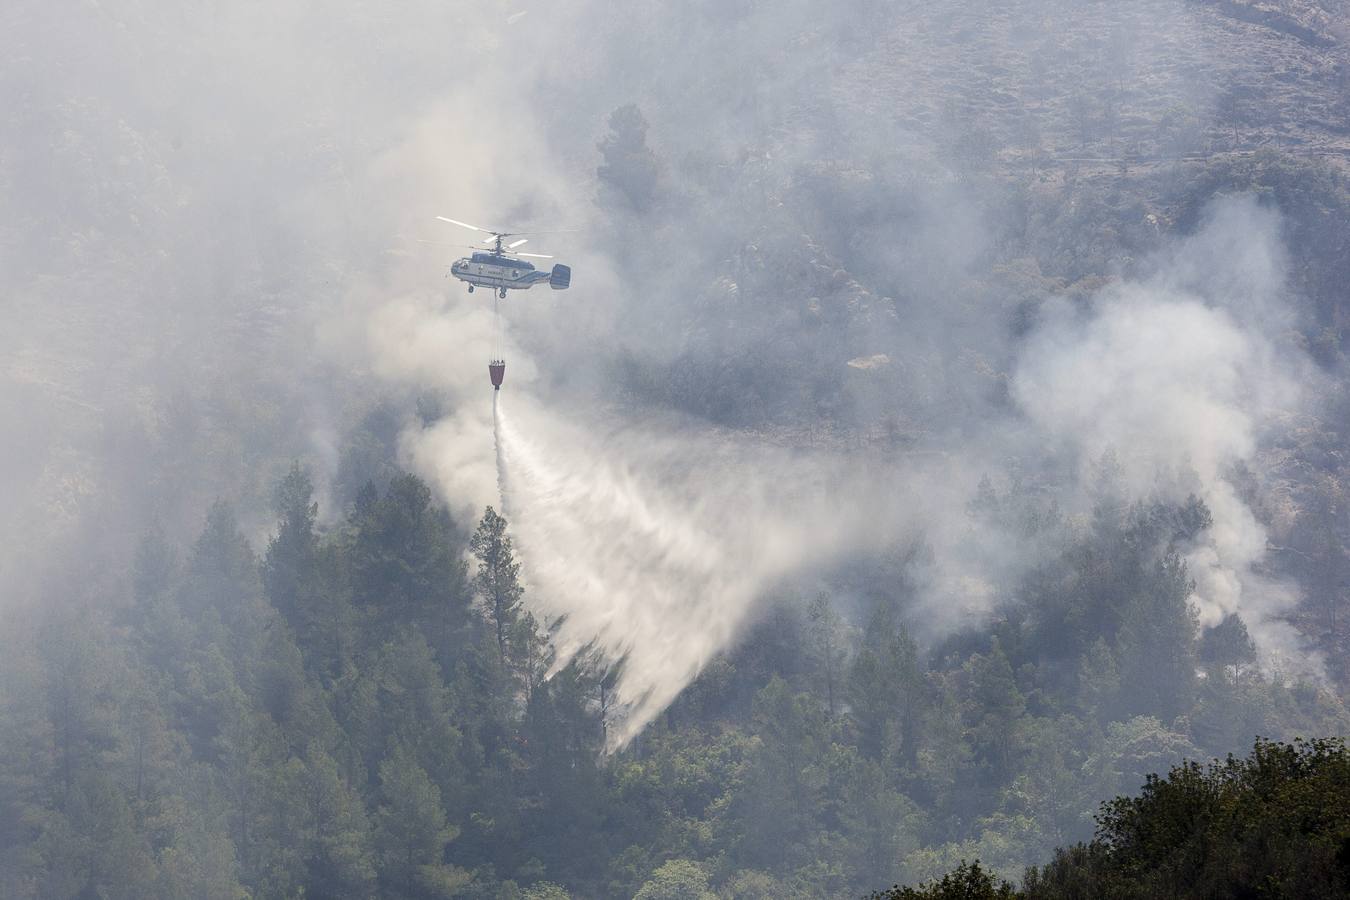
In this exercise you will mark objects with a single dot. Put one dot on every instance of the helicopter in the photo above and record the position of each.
(498, 267)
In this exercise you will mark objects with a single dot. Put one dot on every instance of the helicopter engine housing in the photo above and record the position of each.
(560, 278)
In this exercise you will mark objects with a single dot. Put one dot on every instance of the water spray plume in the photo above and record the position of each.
(656, 552)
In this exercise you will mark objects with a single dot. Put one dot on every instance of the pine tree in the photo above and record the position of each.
(1157, 641)
(288, 568)
(498, 579)
(629, 172)
(404, 566)
(826, 645)
(995, 704)
(223, 572)
(886, 689)
(412, 831)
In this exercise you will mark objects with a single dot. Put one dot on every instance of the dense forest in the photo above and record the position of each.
(355, 711)
(935, 475)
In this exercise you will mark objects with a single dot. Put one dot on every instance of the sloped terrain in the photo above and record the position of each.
(849, 230)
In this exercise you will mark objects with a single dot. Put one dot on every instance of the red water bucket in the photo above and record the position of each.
(497, 371)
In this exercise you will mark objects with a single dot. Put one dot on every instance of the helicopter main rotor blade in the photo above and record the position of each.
(514, 244)
(456, 246)
(463, 224)
(536, 255)
(502, 234)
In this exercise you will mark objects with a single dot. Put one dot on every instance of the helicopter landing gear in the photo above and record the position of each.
(470, 289)
(501, 293)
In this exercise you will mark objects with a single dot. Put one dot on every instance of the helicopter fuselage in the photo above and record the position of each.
(500, 272)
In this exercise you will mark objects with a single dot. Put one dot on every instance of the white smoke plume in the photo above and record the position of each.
(1184, 371)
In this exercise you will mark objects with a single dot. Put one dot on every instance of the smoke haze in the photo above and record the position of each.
(262, 228)
(944, 428)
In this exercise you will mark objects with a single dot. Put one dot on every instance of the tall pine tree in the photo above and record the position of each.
(498, 578)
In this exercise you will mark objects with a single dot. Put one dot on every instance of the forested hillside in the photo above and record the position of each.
(353, 712)
(945, 430)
